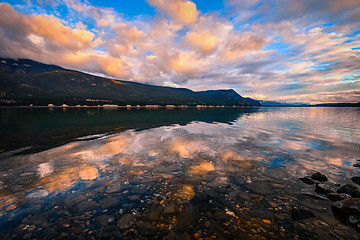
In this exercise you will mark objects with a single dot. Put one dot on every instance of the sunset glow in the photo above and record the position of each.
(283, 50)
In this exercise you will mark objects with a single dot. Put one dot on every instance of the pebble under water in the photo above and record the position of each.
(201, 180)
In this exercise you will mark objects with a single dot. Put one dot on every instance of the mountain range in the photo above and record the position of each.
(282, 104)
(337, 105)
(24, 82)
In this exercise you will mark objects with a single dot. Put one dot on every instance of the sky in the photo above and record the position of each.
(277, 50)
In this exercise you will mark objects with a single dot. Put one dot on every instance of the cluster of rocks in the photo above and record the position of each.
(346, 198)
(132, 202)
(149, 205)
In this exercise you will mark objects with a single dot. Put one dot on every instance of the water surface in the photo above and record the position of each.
(214, 174)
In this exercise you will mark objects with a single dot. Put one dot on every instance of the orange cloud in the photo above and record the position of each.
(97, 62)
(46, 27)
(188, 63)
(50, 27)
(47, 39)
(127, 37)
(211, 50)
(204, 42)
(180, 11)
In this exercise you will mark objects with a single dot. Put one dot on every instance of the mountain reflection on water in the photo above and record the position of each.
(226, 174)
(43, 128)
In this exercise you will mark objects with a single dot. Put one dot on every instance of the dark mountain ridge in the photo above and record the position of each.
(24, 82)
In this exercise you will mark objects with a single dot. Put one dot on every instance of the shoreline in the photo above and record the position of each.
(177, 107)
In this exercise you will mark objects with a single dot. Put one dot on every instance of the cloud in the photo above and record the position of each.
(46, 31)
(47, 39)
(305, 10)
(179, 11)
(126, 38)
(240, 45)
(103, 16)
(279, 51)
(188, 63)
(204, 42)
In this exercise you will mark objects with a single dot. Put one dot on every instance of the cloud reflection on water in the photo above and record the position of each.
(296, 139)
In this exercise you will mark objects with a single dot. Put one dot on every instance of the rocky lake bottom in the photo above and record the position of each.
(282, 173)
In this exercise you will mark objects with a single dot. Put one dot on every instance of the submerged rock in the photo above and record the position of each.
(261, 213)
(187, 217)
(76, 230)
(169, 209)
(307, 180)
(155, 213)
(134, 198)
(301, 213)
(261, 188)
(357, 165)
(171, 235)
(110, 202)
(118, 234)
(318, 176)
(117, 188)
(218, 181)
(126, 221)
(86, 206)
(350, 189)
(102, 220)
(323, 188)
(337, 196)
(356, 180)
(146, 228)
(345, 208)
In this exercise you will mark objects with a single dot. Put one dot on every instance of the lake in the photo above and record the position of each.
(222, 173)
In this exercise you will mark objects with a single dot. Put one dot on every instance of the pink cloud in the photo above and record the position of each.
(179, 11)
(195, 50)
(203, 42)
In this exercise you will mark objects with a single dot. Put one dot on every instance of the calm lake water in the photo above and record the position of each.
(232, 173)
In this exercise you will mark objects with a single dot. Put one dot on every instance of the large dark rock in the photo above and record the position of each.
(102, 220)
(319, 177)
(110, 202)
(261, 213)
(86, 206)
(323, 188)
(307, 180)
(187, 217)
(218, 182)
(337, 196)
(146, 228)
(170, 209)
(357, 165)
(301, 213)
(155, 212)
(261, 188)
(356, 180)
(350, 189)
(126, 221)
(345, 208)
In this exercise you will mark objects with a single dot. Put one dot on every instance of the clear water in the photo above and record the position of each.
(175, 174)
